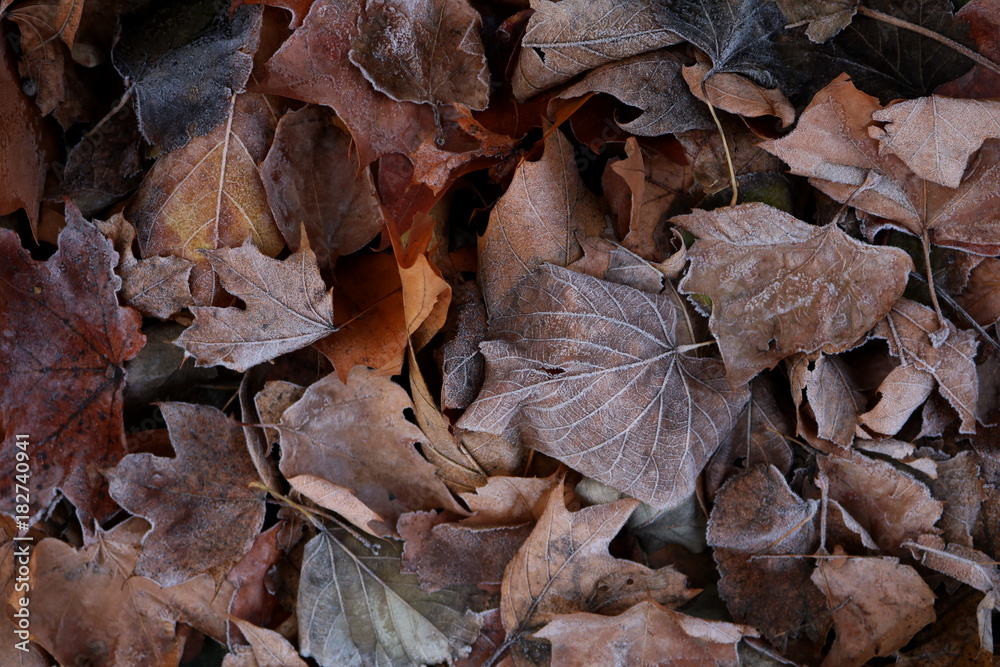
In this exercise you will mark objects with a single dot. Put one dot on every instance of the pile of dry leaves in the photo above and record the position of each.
(591, 332)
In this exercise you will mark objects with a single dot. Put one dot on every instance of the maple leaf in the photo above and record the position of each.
(339, 435)
(204, 517)
(565, 567)
(568, 343)
(566, 38)
(287, 308)
(832, 145)
(355, 607)
(312, 179)
(209, 195)
(185, 62)
(65, 342)
(787, 286)
(427, 51)
(644, 635)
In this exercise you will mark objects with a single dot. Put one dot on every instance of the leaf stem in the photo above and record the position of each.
(694, 346)
(725, 144)
(926, 242)
(930, 34)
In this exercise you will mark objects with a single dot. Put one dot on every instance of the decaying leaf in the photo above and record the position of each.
(48, 31)
(591, 374)
(344, 434)
(287, 308)
(566, 38)
(462, 363)
(565, 567)
(209, 195)
(204, 515)
(356, 608)
(426, 51)
(186, 61)
(65, 342)
(780, 286)
(647, 634)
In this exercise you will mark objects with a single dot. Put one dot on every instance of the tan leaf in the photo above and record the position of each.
(647, 634)
(312, 178)
(509, 500)
(87, 605)
(345, 433)
(877, 605)
(649, 82)
(962, 489)
(566, 38)
(591, 374)
(981, 298)
(565, 563)
(209, 195)
(287, 308)
(312, 65)
(737, 94)
(204, 515)
(356, 608)
(834, 397)
(903, 390)
(536, 221)
(427, 51)
(757, 514)
(890, 504)
(825, 17)
(780, 286)
(951, 362)
(935, 136)
(426, 295)
(267, 649)
(462, 363)
(831, 145)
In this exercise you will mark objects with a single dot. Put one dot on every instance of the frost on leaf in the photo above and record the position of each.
(590, 373)
(780, 286)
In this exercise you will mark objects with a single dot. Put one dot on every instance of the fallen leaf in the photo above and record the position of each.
(427, 51)
(912, 331)
(287, 308)
(902, 391)
(313, 66)
(204, 515)
(960, 486)
(86, 603)
(462, 363)
(834, 398)
(185, 62)
(647, 634)
(343, 434)
(756, 514)
(565, 567)
(980, 299)
(878, 605)
(312, 179)
(737, 94)
(64, 346)
(890, 504)
(566, 38)
(826, 18)
(935, 136)
(209, 195)
(980, 19)
(267, 649)
(48, 29)
(946, 643)
(253, 601)
(591, 374)
(649, 82)
(105, 165)
(426, 295)
(536, 221)
(356, 608)
(780, 286)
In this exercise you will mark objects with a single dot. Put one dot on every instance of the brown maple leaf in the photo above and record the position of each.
(62, 355)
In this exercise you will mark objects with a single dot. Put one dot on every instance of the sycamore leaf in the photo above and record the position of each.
(355, 608)
(734, 33)
(343, 434)
(536, 221)
(591, 374)
(911, 329)
(185, 61)
(428, 51)
(287, 308)
(878, 604)
(312, 178)
(204, 515)
(565, 567)
(209, 195)
(566, 38)
(62, 354)
(832, 145)
(780, 286)
(647, 634)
